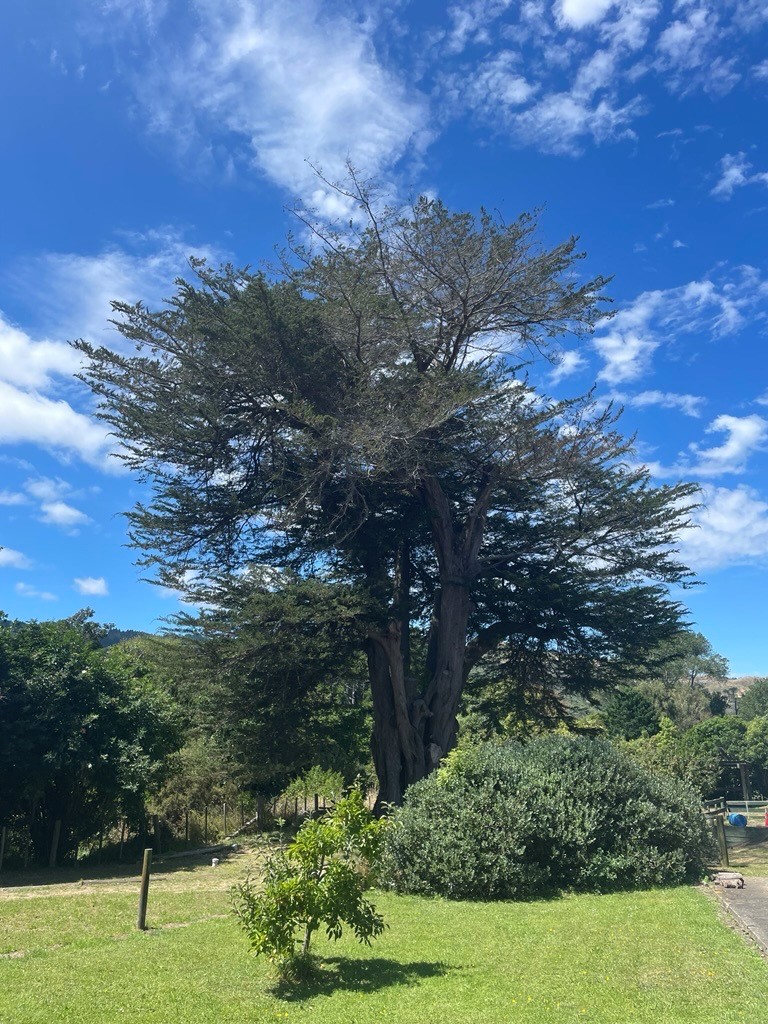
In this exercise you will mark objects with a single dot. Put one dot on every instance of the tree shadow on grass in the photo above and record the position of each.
(334, 974)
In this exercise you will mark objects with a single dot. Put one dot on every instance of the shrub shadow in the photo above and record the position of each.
(334, 974)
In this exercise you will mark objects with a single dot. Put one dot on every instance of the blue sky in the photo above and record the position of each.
(136, 133)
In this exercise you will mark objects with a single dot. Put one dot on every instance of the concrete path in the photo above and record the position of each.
(749, 907)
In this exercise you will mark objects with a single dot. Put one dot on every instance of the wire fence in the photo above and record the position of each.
(179, 829)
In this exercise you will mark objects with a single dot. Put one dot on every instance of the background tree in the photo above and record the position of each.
(629, 714)
(350, 420)
(673, 676)
(753, 703)
(82, 739)
(722, 741)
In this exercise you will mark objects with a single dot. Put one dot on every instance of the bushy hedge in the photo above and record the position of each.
(554, 814)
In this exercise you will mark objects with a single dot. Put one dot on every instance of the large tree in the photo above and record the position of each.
(366, 417)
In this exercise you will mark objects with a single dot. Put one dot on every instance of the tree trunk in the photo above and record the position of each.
(444, 690)
(397, 742)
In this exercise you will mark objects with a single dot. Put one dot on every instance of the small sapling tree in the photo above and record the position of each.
(320, 879)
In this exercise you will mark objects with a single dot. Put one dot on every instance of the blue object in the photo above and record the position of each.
(739, 820)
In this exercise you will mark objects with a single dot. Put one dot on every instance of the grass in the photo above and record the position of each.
(748, 850)
(72, 955)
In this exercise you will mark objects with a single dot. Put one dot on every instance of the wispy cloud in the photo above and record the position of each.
(693, 50)
(744, 435)
(26, 590)
(735, 172)
(688, 404)
(708, 308)
(276, 85)
(9, 558)
(13, 498)
(568, 363)
(95, 586)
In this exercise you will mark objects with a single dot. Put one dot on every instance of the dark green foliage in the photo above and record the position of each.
(722, 741)
(83, 732)
(516, 821)
(629, 715)
(754, 702)
(279, 679)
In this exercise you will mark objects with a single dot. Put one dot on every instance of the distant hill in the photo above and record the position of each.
(116, 636)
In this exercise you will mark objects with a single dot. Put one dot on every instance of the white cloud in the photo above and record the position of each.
(13, 559)
(43, 488)
(660, 204)
(12, 498)
(760, 70)
(497, 81)
(69, 295)
(59, 513)
(744, 435)
(29, 417)
(567, 363)
(703, 308)
(561, 122)
(626, 355)
(29, 591)
(731, 529)
(690, 51)
(735, 173)
(579, 13)
(291, 82)
(91, 585)
(688, 404)
(30, 364)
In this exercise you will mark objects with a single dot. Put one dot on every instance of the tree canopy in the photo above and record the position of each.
(82, 735)
(366, 418)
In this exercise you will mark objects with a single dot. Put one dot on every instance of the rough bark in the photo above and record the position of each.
(415, 727)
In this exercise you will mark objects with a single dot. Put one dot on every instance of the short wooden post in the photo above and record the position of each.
(54, 843)
(205, 830)
(296, 809)
(146, 867)
(721, 840)
(3, 833)
(744, 773)
(225, 818)
(317, 803)
(122, 839)
(186, 825)
(242, 813)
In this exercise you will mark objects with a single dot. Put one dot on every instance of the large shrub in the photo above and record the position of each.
(556, 813)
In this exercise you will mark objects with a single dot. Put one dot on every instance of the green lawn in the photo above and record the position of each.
(70, 955)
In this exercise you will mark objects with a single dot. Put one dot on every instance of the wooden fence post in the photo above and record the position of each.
(722, 841)
(205, 831)
(186, 825)
(146, 867)
(225, 817)
(54, 843)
